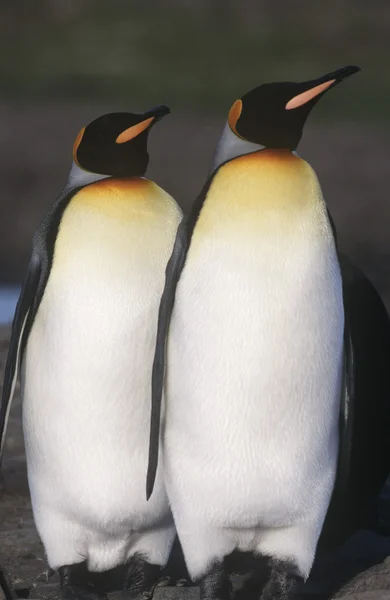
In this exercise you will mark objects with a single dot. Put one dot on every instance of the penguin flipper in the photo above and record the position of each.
(346, 410)
(347, 395)
(364, 444)
(19, 335)
(30, 297)
(333, 531)
(366, 380)
(172, 274)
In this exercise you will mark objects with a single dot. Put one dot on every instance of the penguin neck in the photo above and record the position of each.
(230, 146)
(78, 177)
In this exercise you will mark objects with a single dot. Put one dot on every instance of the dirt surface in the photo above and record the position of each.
(359, 571)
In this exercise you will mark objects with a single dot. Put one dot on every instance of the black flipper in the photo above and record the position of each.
(29, 300)
(18, 334)
(364, 444)
(347, 398)
(346, 409)
(172, 275)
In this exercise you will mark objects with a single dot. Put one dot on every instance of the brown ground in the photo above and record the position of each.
(352, 164)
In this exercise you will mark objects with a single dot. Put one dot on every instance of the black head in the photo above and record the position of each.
(116, 144)
(274, 114)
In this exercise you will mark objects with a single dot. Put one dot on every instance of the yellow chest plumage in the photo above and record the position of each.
(122, 217)
(121, 199)
(269, 189)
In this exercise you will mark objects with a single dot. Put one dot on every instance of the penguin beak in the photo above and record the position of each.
(158, 112)
(312, 90)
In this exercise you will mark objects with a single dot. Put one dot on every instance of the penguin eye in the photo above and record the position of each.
(132, 132)
(308, 95)
(234, 115)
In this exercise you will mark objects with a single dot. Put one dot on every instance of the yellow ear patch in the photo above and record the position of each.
(308, 95)
(77, 144)
(132, 132)
(234, 115)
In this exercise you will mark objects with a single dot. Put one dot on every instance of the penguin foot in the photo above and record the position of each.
(216, 584)
(183, 582)
(284, 581)
(142, 579)
(256, 571)
(75, 583)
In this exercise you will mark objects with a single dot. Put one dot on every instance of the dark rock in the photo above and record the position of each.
(174, 593)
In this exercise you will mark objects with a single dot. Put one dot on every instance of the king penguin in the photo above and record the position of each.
(84, 332)
(257, 358)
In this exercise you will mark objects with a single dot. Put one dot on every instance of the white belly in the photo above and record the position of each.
(254, 377)
(87, 367)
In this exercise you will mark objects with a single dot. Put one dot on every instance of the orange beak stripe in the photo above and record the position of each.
(308, 95)
(132, 132)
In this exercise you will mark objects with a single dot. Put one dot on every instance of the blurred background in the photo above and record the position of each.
(65, 62)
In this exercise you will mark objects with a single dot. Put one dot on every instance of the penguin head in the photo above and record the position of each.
(116, 144)
(273, 115)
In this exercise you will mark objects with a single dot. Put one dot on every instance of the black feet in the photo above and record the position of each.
(284, 582)
(268, 579)
(75, 583)
(265, 578)
(256, 571)
(216, 584)
(142, 578)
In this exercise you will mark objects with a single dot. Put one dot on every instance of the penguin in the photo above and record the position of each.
(257, 360)
(84, 337)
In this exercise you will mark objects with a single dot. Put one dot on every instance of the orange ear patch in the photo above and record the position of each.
(77, 144)
(132, 132)
(234, 115)
(308, 95)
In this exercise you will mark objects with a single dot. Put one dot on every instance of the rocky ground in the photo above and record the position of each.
(360, 570)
